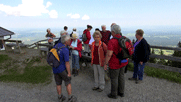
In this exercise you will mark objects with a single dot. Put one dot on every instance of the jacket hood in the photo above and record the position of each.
(85, 31)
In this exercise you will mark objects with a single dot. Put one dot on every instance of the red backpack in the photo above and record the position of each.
(127, 47)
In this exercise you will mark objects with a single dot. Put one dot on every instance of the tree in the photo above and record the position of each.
(177, 54)
(175, 63)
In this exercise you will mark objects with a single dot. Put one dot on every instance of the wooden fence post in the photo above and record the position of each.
(179, 44)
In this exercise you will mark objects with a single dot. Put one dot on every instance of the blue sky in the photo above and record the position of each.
(79, 13)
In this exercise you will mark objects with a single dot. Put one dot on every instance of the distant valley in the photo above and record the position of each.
(154, 37)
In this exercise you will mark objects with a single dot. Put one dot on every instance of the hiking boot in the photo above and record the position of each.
(73, 71)
(77, 71)
(121, 94)
(95, 88)
(99, 90)
(138, 81)
(72, 99)
(62, 98)
(112, 96)
(132, 78)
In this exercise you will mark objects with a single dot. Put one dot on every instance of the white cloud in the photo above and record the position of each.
(53, 14)
(75, 16)
(48, 4)
(29, 8)
(69, 14)
(85, 17)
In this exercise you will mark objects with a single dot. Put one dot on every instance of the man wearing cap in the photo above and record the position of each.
(74, 31)
(65, 28)
(88, 35)
(76, 47)
(116, 68)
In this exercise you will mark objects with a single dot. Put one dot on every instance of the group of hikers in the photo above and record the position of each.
(106, 55)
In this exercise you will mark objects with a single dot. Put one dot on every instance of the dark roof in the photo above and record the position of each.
(5, 32)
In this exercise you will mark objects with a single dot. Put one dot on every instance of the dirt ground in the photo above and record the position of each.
(151, 90)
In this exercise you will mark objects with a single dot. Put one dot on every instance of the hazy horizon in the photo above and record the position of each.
(161, 37)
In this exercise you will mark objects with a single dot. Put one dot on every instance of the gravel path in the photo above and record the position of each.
(151, 90)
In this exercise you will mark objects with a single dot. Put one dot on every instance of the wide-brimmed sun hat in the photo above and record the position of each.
(74, 36)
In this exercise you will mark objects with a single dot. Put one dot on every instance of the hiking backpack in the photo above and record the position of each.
(84, 37)
(53, 57)
(127, 50)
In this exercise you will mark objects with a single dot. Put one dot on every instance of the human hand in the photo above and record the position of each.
(105, 67)
(69, 75)
(72, 47)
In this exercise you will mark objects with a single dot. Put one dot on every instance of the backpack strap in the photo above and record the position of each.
(115, 38)
(59, 49)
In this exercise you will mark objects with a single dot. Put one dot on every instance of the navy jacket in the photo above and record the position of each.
(141, 52)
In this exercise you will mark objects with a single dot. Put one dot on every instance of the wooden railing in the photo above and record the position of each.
(171, 58)
(39, 42)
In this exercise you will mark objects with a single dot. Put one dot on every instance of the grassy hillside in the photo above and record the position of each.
(159, 73)
(10, 70)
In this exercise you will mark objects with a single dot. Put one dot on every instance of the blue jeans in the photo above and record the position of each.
(138, 70)
(75, 61)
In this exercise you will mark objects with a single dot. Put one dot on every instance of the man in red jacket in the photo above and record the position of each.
(88, 35)
(106, 34)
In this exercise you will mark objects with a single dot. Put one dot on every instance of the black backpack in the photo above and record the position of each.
(84, 37)
(127, 51)
(53, 57)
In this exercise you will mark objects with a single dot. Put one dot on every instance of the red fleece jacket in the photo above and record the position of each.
(87, 32)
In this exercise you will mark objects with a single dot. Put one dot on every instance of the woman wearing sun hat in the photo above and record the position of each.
(76, 47)
(50, 37)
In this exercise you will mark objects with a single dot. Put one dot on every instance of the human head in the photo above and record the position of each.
(97, 36)
(48, 30)
(97, 29)
(74, 29)
(115, 29)
(139, 33)
(63, 33)
(89, 27)
(65, 39)
(74, 36)
(103, 27)
(113, 24)
(65, 28)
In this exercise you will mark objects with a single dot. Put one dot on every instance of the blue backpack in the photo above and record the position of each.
(53, 57)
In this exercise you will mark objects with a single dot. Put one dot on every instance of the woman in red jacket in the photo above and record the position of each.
(98, 51)
(88, 35)
(76, 47)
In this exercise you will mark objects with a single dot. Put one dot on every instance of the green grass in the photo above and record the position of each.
(34, 75)
(3, 58)
(159, 73)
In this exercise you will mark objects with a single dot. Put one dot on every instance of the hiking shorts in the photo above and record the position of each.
(59, 77)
